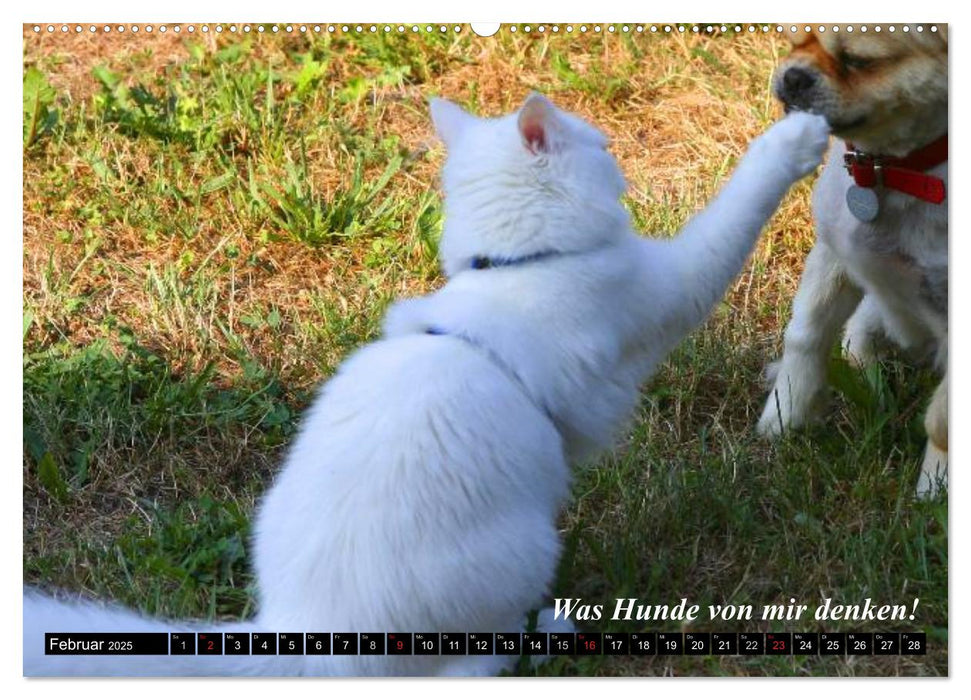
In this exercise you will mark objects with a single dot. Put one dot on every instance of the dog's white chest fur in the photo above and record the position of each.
(900, 257)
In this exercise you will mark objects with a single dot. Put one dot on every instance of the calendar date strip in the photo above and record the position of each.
(489, 643)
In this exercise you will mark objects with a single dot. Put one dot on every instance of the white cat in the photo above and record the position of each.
(423, 490)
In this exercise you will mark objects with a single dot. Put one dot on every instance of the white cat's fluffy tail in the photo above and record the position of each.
(44, 614)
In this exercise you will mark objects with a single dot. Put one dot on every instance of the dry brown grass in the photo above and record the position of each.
(678, 124)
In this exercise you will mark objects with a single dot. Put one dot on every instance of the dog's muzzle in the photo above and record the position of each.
(796, 88)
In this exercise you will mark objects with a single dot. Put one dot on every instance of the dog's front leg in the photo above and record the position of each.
(863, 330)
(933, 472)
(824, 302)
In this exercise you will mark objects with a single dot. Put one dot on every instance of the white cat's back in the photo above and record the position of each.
(581, 331)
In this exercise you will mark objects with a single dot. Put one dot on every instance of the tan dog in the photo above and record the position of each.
(879, 265)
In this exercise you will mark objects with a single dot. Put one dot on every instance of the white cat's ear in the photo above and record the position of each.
(450, 120)
(539, 124)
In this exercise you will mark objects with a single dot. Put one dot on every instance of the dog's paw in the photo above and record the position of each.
(860, 350)
(773, 421)
(933, 473)
(792, 400)
(863, 335)
(802, 139)
(771, 373)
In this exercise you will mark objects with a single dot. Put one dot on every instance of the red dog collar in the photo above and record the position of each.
(902, 174)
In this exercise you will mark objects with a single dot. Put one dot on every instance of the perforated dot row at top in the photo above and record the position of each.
(246, 28)
(442, 28)
(708, 29)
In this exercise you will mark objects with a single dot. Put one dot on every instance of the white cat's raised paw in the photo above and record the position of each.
(802, 139)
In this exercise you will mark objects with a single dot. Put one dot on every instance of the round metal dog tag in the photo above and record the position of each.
(863, 203)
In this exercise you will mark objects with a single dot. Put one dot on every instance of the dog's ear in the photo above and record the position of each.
(449, 119)
(539, 125)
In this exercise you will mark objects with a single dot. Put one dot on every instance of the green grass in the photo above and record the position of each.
(212, 224)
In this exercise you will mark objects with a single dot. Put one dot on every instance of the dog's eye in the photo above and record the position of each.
(853, 62)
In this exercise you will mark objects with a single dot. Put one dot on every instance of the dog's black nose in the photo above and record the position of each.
(796, 80)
